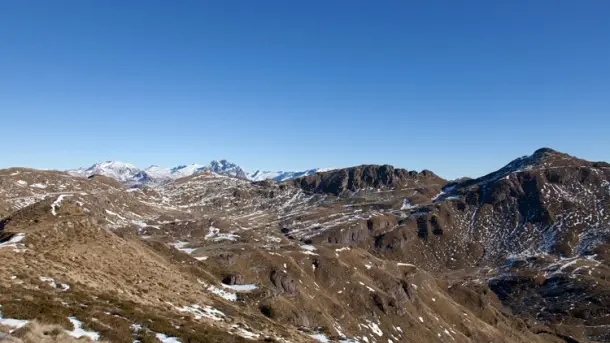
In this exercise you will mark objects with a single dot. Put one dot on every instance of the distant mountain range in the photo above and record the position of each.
(129, 173)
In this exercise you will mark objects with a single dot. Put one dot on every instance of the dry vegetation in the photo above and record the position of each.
(386, 264)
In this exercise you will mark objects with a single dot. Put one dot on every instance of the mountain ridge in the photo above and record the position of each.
(129, 173)
(369, 253)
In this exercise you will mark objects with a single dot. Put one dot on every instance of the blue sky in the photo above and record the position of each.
(457, 87)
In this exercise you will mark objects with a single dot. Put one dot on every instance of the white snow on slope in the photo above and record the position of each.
(244, 332)
(225, 237)
(241, 288)
(185, 170)
(220, 292)
(158, 172)
(203, 312)
(117, 170)
(308, 247)
(13, 323)
(263, 175)
(52, 283)
(212, 231)
(406, 205)
(166, 339)
(280, 176)
(56, 203)
(181, 246)
(320, 338)
(78, 331)
(13, 241)
(115, 214)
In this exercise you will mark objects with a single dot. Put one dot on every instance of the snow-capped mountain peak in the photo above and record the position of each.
(120, 171)
(112, 165)
(129, 173)
(227, 168)
(280, 176)
(185, 170)
(158, 172)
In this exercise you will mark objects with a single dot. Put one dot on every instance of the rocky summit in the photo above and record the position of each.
(369, 254)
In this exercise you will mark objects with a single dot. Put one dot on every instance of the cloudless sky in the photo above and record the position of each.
(457, 87)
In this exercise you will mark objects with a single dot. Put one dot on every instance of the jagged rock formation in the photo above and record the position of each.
(365, 177)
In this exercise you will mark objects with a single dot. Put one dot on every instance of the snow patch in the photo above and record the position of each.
(212, 231)
(241, 288)
(78, 331)
(203, 312)
(52, 283)
(225, 237)
(57, 202)
(48, 280)
(220, 292)
(374, 327)
(244, 332)
(406, 205)
(181, 247)
(320, 337)
(13, 242)
(13, 323)
(115, 214)
(308, 247)
(444, 191)
(166, 339)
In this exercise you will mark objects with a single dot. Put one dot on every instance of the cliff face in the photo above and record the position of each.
(342, 181)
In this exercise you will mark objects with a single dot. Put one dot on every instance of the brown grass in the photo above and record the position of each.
(106, 314)
(35, 332)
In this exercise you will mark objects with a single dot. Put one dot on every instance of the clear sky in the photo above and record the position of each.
(457, 87)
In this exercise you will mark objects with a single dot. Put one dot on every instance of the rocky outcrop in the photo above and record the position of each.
(545, 203)
(233, 279)
(366, 177)
(284, 283)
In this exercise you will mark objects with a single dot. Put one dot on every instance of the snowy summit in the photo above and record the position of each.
(129, 173)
